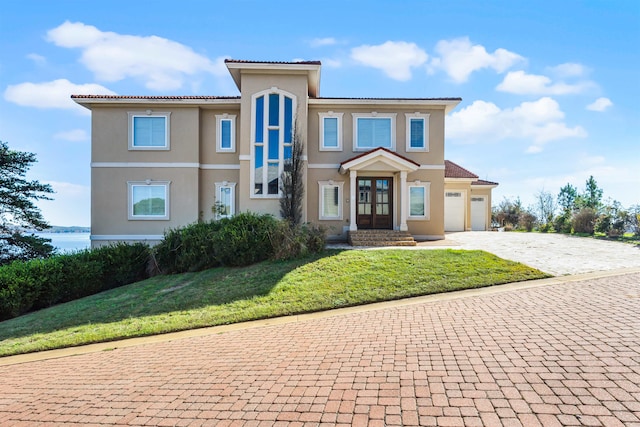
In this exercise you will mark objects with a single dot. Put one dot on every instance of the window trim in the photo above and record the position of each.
(425, 129)
(373, 115)
(335, 184)
(219, 119)
(149, 113)
(266, 128)
(219, 186)
(330, 115)
(427, 199)
(149, 182)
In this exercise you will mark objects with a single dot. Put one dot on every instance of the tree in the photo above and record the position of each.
(544, 208)
(292, 182)
(508, 213)
(567, 198)
(592, 196)
(17, 208)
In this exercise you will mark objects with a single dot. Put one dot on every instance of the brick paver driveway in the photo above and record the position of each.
(561, 354)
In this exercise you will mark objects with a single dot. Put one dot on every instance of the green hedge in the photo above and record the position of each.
(36, 284)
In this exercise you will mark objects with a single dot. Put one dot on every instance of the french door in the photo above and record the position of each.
(375, 203)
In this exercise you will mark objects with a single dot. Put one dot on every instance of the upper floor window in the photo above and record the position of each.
(148, 200)
(272, 135)
(330, 131)
(374, 130)
(226, 133)
(417, 132)
(148, 130)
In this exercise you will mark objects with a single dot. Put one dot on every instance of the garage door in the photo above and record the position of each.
(454, 211)
(478, 213)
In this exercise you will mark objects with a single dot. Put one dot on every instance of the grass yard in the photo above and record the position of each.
(270, 289)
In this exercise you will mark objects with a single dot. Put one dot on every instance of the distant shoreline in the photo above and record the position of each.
(58, 229)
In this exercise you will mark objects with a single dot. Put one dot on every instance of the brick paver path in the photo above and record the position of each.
(564, 354)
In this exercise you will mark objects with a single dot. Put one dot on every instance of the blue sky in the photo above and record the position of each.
(550, 88)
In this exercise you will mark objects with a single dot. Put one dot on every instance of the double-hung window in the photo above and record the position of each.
(330, 131)
(330, 202)
(374, 130)
(417, 132)
(272, 137)
(225, 199)
(148, 200)
(148, 130)
(419, 200)
(226, 133)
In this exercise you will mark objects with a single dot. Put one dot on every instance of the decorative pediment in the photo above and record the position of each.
(379, 159)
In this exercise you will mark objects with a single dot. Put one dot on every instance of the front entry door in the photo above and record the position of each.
(375, 203)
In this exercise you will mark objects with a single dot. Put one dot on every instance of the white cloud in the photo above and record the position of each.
(540, 121)
(160, 63)
(521, 83)
(459, 58)
(325, 41)
(38, 59)
(568, 69)
(54, 94)
(600, 104)
(395, 59)
(75, 135)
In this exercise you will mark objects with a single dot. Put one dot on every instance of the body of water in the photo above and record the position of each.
(68, 242)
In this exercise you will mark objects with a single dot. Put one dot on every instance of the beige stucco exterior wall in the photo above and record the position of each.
(485, 191)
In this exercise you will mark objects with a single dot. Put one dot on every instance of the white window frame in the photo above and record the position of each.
(330, 115)
(373, 115)
(425, 128)
(224, 185)
(149, 113)
(427, 199)
(149, 182)
(335, 184)
(219, 119)
(267, 127)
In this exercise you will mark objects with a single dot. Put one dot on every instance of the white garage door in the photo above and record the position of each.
(478, 213)
(454, 211)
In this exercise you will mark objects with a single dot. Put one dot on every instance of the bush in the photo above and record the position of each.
(526, 220)
(35, 284)
(244, 239)
(584, 221)
(562, 223)
(291, 241)
(190, 248)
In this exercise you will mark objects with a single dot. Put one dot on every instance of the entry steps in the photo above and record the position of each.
(380, 238)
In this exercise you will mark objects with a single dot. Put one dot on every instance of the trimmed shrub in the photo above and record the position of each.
(190, 248)
(584, 221)
(244, 239)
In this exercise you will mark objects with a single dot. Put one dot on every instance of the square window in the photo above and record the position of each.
(330, 200)
(148, 131)
(149, 200)
(417, 132)
(373, 130)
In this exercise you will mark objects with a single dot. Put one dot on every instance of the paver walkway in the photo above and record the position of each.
(561, 354)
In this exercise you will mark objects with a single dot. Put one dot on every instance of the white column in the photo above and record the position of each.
(403, 201)
(353, 202)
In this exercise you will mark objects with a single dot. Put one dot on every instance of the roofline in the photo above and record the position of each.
(448, 103)
(89, 100)
(311, 69)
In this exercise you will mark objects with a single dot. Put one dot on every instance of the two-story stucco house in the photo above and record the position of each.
(158, 162)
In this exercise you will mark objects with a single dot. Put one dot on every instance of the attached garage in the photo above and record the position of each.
(478, 213)
(454, 202)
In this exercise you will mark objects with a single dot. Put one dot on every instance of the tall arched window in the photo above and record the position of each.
(272, 134)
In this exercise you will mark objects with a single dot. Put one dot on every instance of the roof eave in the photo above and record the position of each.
(447, 104)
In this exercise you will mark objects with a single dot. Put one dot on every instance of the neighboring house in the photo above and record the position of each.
(159, 162)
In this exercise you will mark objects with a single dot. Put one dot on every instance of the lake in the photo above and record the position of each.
(68, 242)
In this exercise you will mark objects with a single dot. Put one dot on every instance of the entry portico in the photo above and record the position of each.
(371, 174)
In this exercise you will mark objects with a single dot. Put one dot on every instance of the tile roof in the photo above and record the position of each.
(452, 170)
(380, 149)
(244, 61)
(391, 99)
(158, 97)
(483, 182)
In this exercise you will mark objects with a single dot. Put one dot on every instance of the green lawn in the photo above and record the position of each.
(275, 288)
